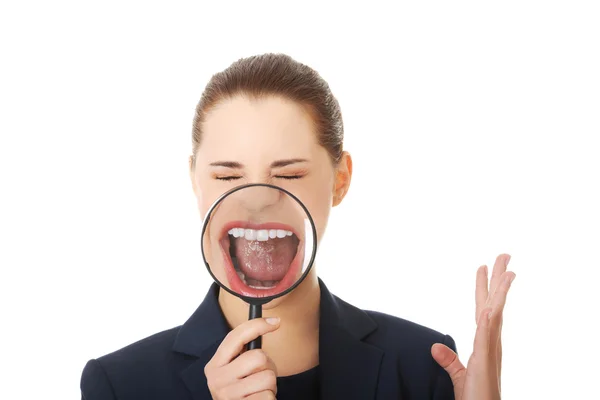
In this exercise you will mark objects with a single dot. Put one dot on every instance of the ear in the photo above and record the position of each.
(343, 176)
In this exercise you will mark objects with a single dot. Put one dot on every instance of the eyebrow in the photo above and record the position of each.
(283, 163)
(227, 164)
(274, 164)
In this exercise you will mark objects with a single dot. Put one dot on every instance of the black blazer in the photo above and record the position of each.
(362, 355)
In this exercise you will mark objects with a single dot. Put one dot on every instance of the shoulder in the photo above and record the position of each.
(152, 348)
(389, 332)
(129, 366)
(404, 335)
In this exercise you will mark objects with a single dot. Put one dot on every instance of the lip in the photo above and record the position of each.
(234, 280)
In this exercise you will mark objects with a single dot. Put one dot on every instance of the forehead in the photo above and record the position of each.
(266, 128)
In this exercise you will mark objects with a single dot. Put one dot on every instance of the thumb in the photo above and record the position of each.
(448, 360)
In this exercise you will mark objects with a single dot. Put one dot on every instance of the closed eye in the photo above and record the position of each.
(234, 177)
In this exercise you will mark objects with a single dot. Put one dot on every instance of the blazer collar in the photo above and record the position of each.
(206, 326)
(349, 367)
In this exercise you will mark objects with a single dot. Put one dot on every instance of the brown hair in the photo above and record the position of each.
(278, 75)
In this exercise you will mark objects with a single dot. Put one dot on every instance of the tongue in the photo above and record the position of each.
(265, 261)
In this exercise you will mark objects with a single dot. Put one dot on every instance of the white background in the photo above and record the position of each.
(474, 129)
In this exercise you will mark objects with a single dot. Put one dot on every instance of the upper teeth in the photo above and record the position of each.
(259, 234)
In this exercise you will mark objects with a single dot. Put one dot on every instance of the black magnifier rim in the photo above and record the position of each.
(259, 300)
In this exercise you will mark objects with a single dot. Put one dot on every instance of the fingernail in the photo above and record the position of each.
(272, 320)
(507, 259)
(485, 269)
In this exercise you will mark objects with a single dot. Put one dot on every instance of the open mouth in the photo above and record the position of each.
(261, 260)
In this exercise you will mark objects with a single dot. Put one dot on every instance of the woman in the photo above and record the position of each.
(270, 119)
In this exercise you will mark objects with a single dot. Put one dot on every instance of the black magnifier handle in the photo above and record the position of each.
(255, 312)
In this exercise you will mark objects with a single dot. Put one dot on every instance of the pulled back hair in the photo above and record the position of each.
(276, 75)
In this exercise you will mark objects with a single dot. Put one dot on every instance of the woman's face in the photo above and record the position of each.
(271, 140)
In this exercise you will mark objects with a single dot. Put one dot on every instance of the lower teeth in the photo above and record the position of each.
(254, 284)
(261, 284)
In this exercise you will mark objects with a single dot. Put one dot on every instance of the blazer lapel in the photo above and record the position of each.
(193, 376)
(349, 366)
(200, 337)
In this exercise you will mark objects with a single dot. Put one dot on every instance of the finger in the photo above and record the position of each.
(448, 360)
(250, 362)
(235, 340)
(481, 290)
(266, 395)
(498, 297)
(498, 303)
(481, 343)
(261, 381)
(499, 268)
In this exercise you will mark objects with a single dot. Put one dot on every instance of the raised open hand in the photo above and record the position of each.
(480, 380)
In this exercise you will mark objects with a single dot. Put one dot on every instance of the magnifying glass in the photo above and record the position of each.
(258, 243)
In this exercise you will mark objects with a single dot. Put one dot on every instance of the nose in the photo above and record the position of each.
(257, 199)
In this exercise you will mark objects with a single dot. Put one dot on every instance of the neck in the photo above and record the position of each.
(294, 347)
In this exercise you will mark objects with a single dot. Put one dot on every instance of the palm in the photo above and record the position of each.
(480, 380)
